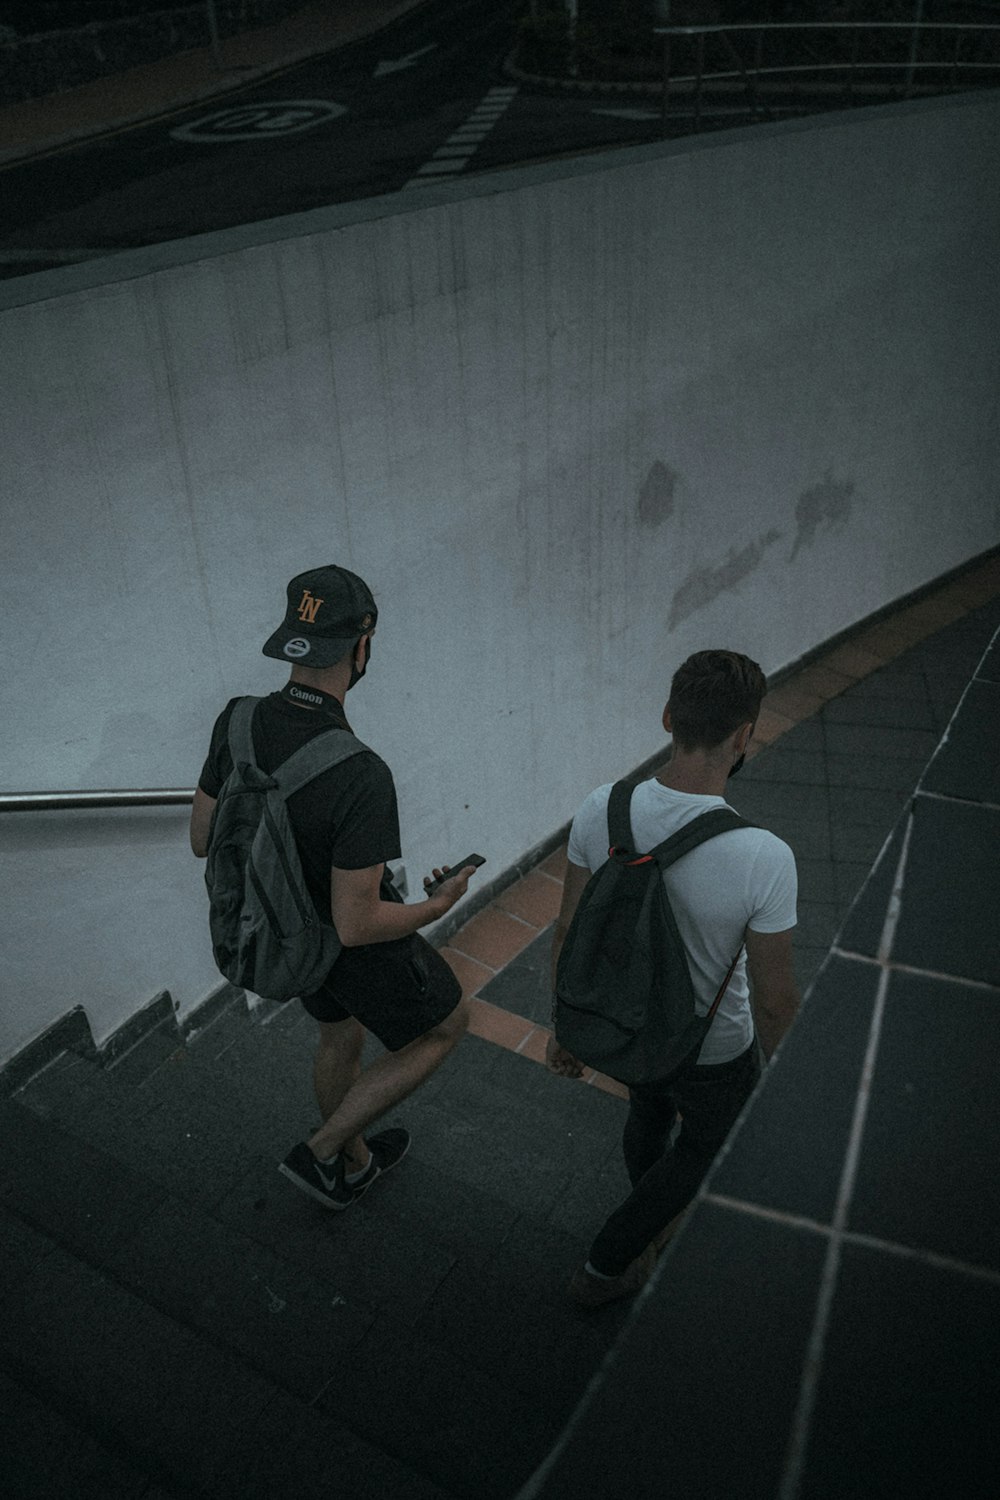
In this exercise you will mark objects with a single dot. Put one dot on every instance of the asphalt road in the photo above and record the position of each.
(426, 99)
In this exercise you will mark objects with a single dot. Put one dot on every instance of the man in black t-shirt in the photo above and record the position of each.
(387, 979)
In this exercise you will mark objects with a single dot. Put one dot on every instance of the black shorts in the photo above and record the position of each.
(396, 990)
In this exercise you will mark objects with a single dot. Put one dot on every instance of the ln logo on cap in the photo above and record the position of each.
(308, 608)
(297, 646)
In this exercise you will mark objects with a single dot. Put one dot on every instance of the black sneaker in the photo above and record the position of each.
(323, 1181)
(387, 1148)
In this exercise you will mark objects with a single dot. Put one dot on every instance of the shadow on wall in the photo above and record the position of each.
(826, 506)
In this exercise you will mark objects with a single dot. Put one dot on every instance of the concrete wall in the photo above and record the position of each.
(571, 424)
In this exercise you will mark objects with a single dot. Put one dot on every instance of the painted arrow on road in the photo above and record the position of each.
(396, 65)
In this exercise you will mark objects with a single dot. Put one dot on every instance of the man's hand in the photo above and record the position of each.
(558, 1060)
(201, 821)
(361, 916)
(452, 889)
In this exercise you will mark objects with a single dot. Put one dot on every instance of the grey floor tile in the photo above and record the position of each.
(196, 1154)
(863, 928)
(503, 1087)
(807, 963)
(943, 708)
(808, 838)
(968, 763)
(885, 767)
(305, 1453)
(68, 1084)
(817, 880)
(373, 1255)
(788, 767)
(989, 668)
(906, 1402)
(22, 1247)
(729, 1314)
(818, 923)
(546, 1358)
(71, 1192)
(934, 1089)
(432, 1409)
(886, 741)
(130, 1377)
(852, 806)
(428, 1206)
(588, 1199)
(913, 712)
(524, 986)
(888, 683)
(860, 843)
(525, 1164)
(244, 1297)
(147, 1055)
(48, 1457)
(848, 878)
(788, 1151)
(807, 736)
(221, 1033)
(948, 922)
(763, 801)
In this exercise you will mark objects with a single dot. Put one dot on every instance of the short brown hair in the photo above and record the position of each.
(712, 694)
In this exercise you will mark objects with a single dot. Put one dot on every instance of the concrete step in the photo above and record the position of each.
(167, 1346)
(426, 1331)
(48, 1457)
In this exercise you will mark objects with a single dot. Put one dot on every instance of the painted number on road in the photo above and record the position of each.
(256, 122)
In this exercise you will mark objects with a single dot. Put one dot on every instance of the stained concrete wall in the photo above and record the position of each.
(571, 423)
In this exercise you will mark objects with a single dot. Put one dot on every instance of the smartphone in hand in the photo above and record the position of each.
(454, 869)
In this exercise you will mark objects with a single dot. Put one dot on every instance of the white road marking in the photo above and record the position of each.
(458, 150)
(396, 65)
(255, 122)
(434, 168)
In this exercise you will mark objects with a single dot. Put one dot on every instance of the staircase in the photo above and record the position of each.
(180, 1321)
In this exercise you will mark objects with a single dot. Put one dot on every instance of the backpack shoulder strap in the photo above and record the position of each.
(619, 822)
(241, 732)
(319, 754)
(707, 826)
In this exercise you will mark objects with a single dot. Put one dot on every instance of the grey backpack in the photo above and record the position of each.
(624, 1000)
(267, 936)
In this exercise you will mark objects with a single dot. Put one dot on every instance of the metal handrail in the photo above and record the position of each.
(57, 801)
(849, 67)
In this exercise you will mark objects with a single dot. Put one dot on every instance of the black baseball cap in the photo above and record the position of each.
(329, 609)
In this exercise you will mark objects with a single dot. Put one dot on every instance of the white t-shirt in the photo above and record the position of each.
(743, 878)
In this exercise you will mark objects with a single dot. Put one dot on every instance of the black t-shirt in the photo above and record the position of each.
(345, 818)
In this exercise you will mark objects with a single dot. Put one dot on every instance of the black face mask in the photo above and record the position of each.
(737, 765)
(356, 673)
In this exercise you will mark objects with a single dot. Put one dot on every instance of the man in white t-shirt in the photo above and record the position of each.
(739, 887)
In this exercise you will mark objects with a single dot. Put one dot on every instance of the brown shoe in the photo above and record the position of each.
(662, 1240)
(594, 1291)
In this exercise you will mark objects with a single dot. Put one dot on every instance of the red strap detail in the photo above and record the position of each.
(643, 859)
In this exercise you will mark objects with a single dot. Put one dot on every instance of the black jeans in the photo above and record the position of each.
(666, 1177)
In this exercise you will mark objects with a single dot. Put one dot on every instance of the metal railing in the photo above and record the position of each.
(57, 801)
(851, 67)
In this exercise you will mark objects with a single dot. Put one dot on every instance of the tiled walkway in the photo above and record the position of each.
(835, 1292)
(848, 735)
